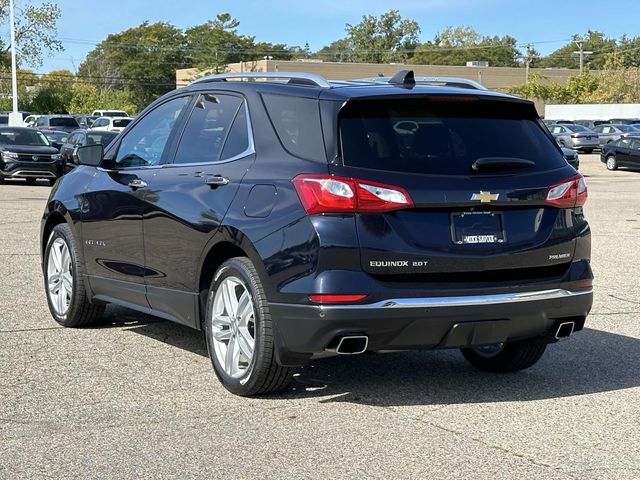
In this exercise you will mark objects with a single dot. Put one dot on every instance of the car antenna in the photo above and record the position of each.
(404, 78)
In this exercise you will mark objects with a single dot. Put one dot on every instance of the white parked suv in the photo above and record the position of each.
(109, 113)
(111, 124)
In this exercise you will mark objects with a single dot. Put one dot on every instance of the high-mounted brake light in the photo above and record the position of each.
(569, 193)
(332, 194)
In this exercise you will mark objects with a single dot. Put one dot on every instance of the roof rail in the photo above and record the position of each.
(295, 78)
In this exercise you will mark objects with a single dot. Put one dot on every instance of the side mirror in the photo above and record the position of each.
(91, 155)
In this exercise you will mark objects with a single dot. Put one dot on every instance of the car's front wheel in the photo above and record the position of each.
(68, 301)
(505, 357)
(239, 332)
(612, 162)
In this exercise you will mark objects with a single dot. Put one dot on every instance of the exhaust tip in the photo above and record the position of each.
(352, 345)
(565, 329)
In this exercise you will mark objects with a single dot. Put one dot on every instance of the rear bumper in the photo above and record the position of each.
(432, 322)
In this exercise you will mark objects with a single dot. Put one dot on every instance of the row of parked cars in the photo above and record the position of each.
(45, 146)
(618, 139)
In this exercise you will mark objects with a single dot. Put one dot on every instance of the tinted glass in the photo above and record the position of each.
(121, 122)
(18, 136)
(635, 144)
(103, 138)
(144, 144)
(207, 128)
(238, 138)
(63, 122)
(4, 120)
(625, 128)
(297, 123)
(441, 137)
(576, 128)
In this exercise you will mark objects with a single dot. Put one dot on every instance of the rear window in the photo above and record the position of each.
(63, 122)
(121, 122)
(442, 137)
(297, 123)
(103, 138)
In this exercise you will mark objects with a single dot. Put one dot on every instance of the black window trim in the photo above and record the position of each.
(251, 150)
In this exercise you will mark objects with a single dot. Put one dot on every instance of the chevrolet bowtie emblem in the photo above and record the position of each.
(485, 197)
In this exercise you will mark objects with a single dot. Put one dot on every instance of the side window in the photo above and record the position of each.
(635, 144)
(41, 122)
(72, 138)
(144, 144)
(297, 123)
(238, 138)
(207, 129)
(80, 139)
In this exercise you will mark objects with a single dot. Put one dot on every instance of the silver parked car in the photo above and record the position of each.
(575, 137)
(614, 131)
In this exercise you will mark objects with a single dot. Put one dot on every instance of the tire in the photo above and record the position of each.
(240, 374)
(31, 181)
(69, 309)
(512, 357)
(52, 182)
(612, 163)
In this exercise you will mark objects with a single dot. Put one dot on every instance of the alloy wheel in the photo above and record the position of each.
(233, 326)
(59, 276)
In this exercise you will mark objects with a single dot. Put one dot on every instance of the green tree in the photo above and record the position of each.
(458, 45)
(87, 97)
(564, 57)
(142, 60)
(383, 39)
(54, 93)
(36, 33)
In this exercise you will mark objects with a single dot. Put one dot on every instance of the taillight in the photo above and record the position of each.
(336, 298)
(569, 193)
(332, 194)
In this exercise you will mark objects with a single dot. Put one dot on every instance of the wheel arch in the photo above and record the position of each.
(228, 242)
(55, 215)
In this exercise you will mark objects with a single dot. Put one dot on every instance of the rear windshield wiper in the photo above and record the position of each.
(498, 163)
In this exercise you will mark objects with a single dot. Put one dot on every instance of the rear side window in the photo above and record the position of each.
(63, 122)
(122, 122)
(297, 123)
(443, 137)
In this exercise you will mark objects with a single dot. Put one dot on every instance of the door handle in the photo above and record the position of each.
(217, 181)
(137, 183)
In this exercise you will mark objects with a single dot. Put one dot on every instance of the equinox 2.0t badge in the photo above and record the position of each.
(485, 197)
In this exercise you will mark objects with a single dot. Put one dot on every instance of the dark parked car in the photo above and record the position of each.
(85, 121)
(571, 156)
(79, 138)
(56, 138)
(26, 153)
(289, 218)
(66, 123)
(624, 152)
(575, 136)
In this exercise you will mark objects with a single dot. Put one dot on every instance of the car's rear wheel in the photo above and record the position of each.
(505, 357)
(239, 332)
(612, 162)
(66, 296)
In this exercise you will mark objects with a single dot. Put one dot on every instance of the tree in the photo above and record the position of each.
(458, 45)
(564, 57)
(36, 33)
(383, 39)
(87, 97)
(142, 60)
(54, 93)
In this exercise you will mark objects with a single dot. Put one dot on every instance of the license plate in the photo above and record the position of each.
(477, 228)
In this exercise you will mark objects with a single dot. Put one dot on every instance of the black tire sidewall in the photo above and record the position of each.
(62, 231)
(236, 267)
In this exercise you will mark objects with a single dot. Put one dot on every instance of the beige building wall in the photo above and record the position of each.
(494, 78)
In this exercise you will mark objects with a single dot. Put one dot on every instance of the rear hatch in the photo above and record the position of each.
(477, 172)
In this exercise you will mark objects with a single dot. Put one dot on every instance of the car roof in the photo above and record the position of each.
(305, 84)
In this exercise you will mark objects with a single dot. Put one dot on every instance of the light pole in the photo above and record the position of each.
(15, 118)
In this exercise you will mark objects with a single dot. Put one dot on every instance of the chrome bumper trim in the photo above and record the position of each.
(464, 301)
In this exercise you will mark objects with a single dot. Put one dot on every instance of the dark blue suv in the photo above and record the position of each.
(292, 216)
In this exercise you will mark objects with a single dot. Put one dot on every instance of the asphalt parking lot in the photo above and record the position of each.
(137, 398)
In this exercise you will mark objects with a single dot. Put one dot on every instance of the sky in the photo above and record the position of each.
(548, 24)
